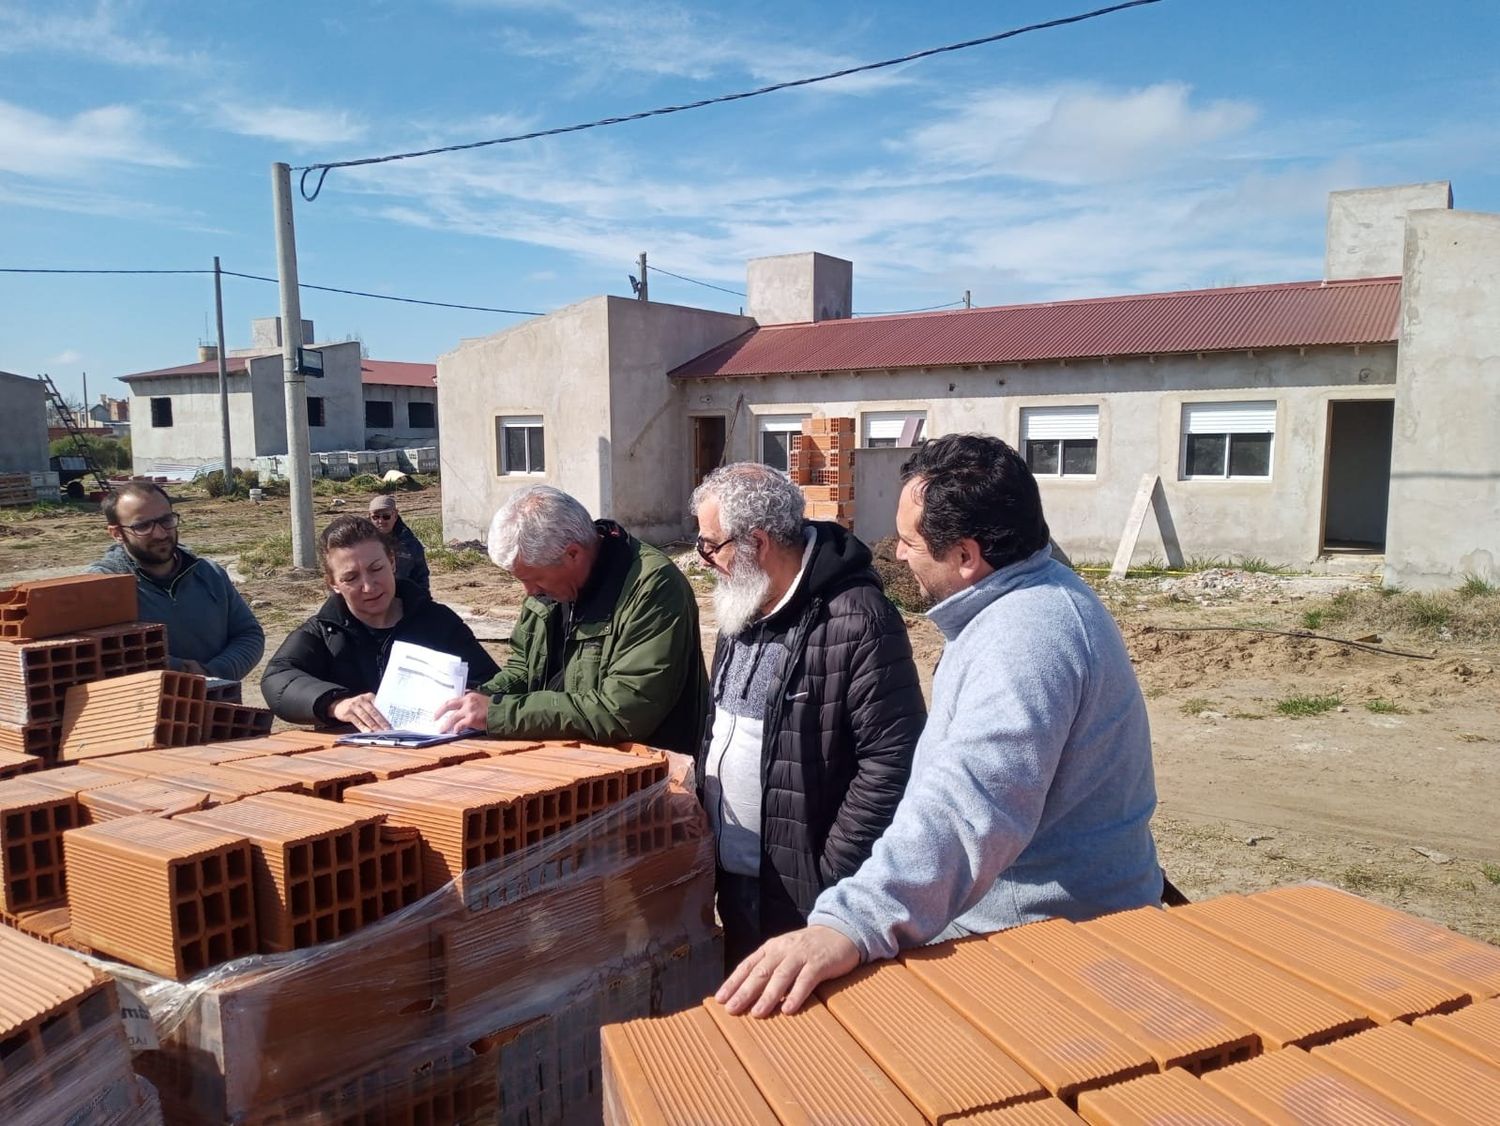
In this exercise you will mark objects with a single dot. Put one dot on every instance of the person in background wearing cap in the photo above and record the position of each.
(411, 556)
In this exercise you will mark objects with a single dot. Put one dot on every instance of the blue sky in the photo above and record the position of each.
(1189, 143)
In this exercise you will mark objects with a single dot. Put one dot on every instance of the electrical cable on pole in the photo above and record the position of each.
(298, 447)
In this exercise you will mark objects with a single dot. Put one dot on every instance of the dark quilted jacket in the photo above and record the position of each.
(840, 728)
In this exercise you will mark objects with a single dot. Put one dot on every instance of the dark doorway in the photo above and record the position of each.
(708, 446)
(1359, 475)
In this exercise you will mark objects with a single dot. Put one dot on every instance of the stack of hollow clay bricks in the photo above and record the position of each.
(64, 1052)
(177, 859)
(77, 671)
(1302, 1004)
(821, 462)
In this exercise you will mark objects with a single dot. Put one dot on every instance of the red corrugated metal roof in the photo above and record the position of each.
(1289, 315)
(384, 372)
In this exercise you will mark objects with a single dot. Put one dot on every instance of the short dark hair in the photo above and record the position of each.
(350, 531)
(138, 489)
(976, 487)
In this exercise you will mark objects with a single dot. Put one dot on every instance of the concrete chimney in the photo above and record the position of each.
(207, 352)
(1367, 227)
(799, 288)
(265, 332)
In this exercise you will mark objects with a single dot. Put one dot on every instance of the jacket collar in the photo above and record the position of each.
(596, 601)
(335, 611)
(956, 611)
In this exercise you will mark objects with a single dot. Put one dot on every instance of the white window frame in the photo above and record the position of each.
(883, 429)
(1064, 425)
(528, 422)
(1227, 419)
(776, 424)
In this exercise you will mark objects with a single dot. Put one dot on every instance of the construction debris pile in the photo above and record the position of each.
(321, 933)
(1302, 1004)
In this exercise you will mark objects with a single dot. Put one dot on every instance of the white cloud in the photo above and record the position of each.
(1080, 134)
(66, 358)
(91, 32)
(291, 125)
(35, 144)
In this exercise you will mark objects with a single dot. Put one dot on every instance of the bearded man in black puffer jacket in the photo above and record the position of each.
(817, 704)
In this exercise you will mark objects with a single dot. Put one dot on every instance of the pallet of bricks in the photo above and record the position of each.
(325, 933)
(821, 462)
(1304, 1004)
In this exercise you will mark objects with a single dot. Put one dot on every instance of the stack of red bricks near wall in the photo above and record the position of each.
(132, 713)
(824, 468)
(170, 897)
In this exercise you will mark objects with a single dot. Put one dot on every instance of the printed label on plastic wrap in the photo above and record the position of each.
(139, 1030)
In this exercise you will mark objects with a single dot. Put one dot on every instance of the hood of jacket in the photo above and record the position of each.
(839, 560)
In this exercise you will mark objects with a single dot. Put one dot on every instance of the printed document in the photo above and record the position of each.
(416, 683)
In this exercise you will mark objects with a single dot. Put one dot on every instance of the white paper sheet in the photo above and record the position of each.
(416, 683)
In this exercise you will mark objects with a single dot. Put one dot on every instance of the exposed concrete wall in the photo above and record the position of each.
(1140, 411)
(794, 288)
(340, 389)
(196, 435)
(557, 367)
(877, 488)
(649, 452)
(1367, 227)
(265, 332)
(23, 424)
(401, 433)
(1445, 457)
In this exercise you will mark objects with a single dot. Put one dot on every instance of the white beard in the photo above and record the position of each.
(739, 595)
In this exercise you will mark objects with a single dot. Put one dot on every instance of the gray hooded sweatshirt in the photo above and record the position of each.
(1031, 789)
(207, 621)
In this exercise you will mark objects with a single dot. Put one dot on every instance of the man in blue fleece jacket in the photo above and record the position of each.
(210, 630)
(1031, 789)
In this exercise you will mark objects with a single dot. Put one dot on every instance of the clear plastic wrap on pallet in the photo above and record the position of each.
(418, 1016)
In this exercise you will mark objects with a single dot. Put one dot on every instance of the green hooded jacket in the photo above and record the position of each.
(623, 663)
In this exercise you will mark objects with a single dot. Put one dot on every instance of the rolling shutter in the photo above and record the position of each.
(1041, 424)
(1229, 418)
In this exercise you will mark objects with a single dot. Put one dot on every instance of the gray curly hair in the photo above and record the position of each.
(536, 525)
(751, 496)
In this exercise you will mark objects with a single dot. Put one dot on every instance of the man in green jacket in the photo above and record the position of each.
(606, 648)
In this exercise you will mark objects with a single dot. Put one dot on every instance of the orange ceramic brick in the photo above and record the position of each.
(498, 747)
(1281, 1008)
(397, 881)
(1043, 1029)
(1381, 987)
(47, 997)
(52, 607)
(1292, 1086)
(167, 896)
(222, 720)
(828, 494)
(33, 819)
(1418, 1072)
(223, 783)
(132, 713)
(130, 648)
(942, 1063)
(1475, 1029)
(677, 1071)
(13, 764)
(545, 805)
(821, 425)
(40, 739)
(1427, 946)
(36, 675)
(1043, 1112)
(808, 1064)
(641, 771)
(1151, 1100)
(139, 795)
(384, 763)
(215, 754)
(1178, 1029)
(326, 780)
(74, 779)
(283, 743)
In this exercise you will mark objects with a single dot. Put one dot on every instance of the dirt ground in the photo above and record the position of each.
(1389, 792)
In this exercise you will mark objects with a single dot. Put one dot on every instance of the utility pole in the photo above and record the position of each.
(968, 300)
(86, 415)
(223, 380)
(640, 294)
(299, 473)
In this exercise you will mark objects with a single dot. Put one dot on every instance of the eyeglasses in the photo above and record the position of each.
(384, 515)
(143, 527)
(707, 549)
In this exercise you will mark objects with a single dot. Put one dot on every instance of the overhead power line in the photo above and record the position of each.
(924, 309)
(273, 281)
(324, 168)
(655, 269)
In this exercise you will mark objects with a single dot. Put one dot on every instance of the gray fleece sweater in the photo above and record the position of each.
(1031, 790)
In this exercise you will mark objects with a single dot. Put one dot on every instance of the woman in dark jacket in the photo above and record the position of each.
(328, 669)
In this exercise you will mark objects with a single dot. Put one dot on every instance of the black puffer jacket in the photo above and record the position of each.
(840, 728)
(333, 654)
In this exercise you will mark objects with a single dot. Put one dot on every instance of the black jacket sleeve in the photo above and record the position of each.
(299, 675)
(887, 714)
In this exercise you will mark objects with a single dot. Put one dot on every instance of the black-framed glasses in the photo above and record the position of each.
(707, 549)
(143, 527)
(383, 514)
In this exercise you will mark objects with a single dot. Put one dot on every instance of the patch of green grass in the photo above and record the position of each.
(1197, 706)
(448, 559)
(1258, 566)
(1476, 587)
(1246, 715)
(1312, 619)
(1205, 563)
(1299, 707)
(1381, 706)
(1490, 872)
(270, 554)
(1427, 611)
